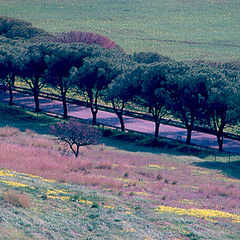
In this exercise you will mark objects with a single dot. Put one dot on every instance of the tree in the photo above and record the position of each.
(11, 54)
(75, 134)
(223, 99)
(123, 89)
(60, 61)
(91, 79)
(149, 57)
(188, 95)
(33, 67)
(154, 93)
(16, 28)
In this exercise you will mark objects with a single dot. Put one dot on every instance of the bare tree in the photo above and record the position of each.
(76, 134)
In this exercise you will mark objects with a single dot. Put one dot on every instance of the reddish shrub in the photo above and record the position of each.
(85, 37)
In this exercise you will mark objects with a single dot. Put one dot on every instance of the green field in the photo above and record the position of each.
(184, 30)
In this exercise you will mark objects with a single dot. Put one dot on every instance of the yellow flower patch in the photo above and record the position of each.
(198, 172)
(207, 214)
(6, 172)
(142, 194)
(189, 186)
(16, 184)
(188, 201)
(63, 198)
(160, 167)
(85, 201)
(227, 179)
(56, 192)
(128, 212)
(110, 207)
(155, 166)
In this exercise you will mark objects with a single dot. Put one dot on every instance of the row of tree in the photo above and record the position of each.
(195, 92)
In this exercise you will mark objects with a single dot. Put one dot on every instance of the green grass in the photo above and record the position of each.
(184, 30)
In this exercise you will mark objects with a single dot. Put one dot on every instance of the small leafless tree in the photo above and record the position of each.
(76, 134)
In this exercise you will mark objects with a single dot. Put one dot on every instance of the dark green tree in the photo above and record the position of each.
(61, 59)
(148, 57)
(11, 54)
(123, 89)
(223, 99)
(188, 95)
(154, 93)
(16, 28)
(33, 67)
(91, 79)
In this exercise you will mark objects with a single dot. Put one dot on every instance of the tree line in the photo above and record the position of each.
(95, 67)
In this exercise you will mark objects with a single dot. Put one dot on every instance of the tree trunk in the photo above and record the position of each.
(94, 116)
(65, 109)
(219, 134)
(157, 125)
(10, 95)
(120, 117)
(219, 130)
(220, 141)
(189, 135)
(36, 95)
(36, 99)
(11, 84)
(77, 151)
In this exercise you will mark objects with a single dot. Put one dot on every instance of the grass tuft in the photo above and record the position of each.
(17, 199)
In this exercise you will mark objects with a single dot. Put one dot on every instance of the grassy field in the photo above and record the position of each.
(184, 30)
(114, 190)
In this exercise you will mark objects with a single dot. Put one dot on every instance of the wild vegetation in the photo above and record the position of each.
(114, 189)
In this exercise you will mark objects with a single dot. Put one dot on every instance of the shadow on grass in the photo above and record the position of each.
(231, 169)
(135, 142)
(22, 119)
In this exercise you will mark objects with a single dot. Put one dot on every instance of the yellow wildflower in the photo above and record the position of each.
(201, 213)
(142, 194)
(16, 184)
(110, 207)
(128, 212)
(85, 201)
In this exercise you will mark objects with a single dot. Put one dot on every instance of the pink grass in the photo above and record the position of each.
(170, 183)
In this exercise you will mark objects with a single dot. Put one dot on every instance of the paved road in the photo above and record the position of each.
(198, 138)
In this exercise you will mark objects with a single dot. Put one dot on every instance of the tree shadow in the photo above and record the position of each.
(163, 146)
(231, 169)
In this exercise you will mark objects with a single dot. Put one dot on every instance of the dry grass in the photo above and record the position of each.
(163, 178)
(17, 199)
(9, 131)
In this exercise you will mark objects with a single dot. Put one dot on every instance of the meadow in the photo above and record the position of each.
(183, 30)
(114, 190)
